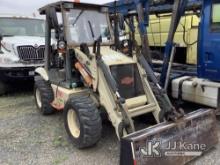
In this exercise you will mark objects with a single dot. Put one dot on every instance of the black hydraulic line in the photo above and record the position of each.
(149, 71)
(110, 80)
(184, 35)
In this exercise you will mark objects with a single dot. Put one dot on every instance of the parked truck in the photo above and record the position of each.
(21, 48)
(203, 87)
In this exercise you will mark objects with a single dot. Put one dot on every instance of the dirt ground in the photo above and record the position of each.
(28, 138)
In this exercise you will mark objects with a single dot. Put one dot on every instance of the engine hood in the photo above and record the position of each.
(23, 40)
(10, 44)
(112, 57)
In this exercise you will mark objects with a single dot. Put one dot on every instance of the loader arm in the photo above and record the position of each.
(142, 10)
(127, 121)
(150, 145)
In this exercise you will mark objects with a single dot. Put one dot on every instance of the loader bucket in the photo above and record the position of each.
(171, 143)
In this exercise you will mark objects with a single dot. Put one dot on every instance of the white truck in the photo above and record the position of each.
(21, 48)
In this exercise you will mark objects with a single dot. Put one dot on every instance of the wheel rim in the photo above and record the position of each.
(38, 98)
(73, 123)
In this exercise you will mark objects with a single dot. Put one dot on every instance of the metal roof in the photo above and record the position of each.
(68, 5)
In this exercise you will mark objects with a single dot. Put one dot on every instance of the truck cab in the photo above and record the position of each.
(21, 49)
(209, 45)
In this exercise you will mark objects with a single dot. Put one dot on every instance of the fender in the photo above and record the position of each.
(43, 73)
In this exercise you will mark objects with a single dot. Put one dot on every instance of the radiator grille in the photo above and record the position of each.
(28, 53)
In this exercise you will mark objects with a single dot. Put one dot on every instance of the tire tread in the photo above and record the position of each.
(90, 121)
(47, 96)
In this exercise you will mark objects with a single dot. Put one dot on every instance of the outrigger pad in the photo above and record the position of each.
(171, 143)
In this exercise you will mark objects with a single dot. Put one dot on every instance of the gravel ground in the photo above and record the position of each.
(26, 138)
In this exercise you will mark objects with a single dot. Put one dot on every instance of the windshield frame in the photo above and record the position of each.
(71, 43)
(26, 18)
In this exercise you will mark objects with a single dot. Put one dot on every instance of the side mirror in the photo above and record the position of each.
(121, 22)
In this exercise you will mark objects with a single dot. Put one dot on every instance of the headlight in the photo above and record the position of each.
(5, 59)
(61, 45)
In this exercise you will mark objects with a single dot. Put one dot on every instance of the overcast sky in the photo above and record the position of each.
(28, 7)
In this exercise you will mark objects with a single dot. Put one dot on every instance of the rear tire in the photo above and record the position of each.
(82, 121)
(44, 96)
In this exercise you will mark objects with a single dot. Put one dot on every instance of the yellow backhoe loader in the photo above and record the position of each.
(83, 76)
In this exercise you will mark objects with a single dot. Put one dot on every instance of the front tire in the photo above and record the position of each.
(82, 121)
(44, 96)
